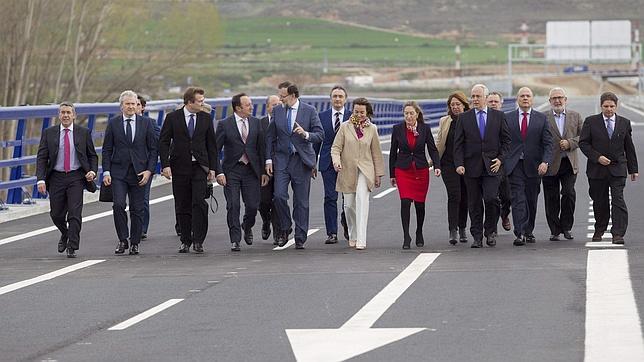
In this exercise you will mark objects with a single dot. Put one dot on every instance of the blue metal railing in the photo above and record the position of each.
(32, 120)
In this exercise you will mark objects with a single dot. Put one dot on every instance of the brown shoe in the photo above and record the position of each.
(597, 236)
(505, 222)
(618, 239)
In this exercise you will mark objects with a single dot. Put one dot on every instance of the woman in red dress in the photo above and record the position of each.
(409, 168)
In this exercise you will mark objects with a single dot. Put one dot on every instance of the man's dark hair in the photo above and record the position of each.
(607, 96)
(190, 93)
(236, 100)
(142, 100)
(340, 88)
(363, 102)
(291, 89)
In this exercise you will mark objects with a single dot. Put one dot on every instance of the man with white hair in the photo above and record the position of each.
(481, 141)
(565, 127)
(129, 160)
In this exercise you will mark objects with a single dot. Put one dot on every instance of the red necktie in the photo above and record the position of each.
(67, 162)
(524, 126)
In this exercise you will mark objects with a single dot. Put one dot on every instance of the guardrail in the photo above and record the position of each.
(32, 120)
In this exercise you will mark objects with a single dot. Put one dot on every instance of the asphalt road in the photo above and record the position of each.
(493, 304)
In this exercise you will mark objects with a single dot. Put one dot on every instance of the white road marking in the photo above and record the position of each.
(384, 193)
(603, 244)
(613, 329)
(635, 110)
(25, 283)
(292, 240)
(606, 234)
(145, 315)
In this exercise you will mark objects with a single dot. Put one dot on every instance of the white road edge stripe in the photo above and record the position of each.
(613, 329)
(145, 315)
(291, 241)
(25, 283)
(384, 193)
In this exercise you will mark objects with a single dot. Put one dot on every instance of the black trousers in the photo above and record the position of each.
(266, 208)
(525, 195)
(190, 206)
(603, 208)
(66, 204)
(560, 204)
(128, 187)
(483, 191)
(505, 196)
(241, 179)
(456, 198)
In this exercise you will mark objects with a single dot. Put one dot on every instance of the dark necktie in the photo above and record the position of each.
(336, 125)
(128, 130)
(290, 128)
(482, 124)
(191, 125)
(524, 126)
(67, 149)
(609, 128)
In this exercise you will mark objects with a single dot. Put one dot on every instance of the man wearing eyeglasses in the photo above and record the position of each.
(290, 158)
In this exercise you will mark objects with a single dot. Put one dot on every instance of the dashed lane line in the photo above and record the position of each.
(291, 241)
(25, 283)
(145, 315)
(384, 193)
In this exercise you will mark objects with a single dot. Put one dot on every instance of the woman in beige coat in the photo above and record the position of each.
(357, 158)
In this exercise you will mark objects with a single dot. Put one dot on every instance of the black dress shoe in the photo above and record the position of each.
(120, 247)
(332, 239)
(266, 230)
(453, 238)
(530, 239)
(505, 222)
(248, 236)
(462, 235)
(476, 244)
(597, 236)
(491, 240)
(134, 250)
(519, 241)
(420, 241)
(71, 253)
(554, 237)
(618, 239)
(299, 245)
(62, 244)
(144, 236)
(198, 248)
(568, 235)
(184, 248)
(235, 246)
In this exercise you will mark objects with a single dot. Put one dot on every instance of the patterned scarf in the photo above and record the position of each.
(413, 128)
(359, 125)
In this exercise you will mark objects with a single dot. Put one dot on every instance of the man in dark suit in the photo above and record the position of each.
(140, 109)
(266, 206)
(331, 120)
(66, 161)
(528, 160)
(606, 139)
(242, 139)
(190, 164)
(289, 142)
(129, 159)
(565, 126)
(481, 141)
(495, 101)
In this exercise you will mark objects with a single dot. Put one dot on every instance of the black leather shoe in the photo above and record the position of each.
(554, 237)
(420, 241)
(120, 247)
(248, 236)
(462, 235)
(299, 245)
(198, 248)
(332, 239)
(491, 240)
(266, 230)
(618, 239)
(71, 253)
(477, 244)
(235, 246)
(568, 235)
(505, 222)
(519, 241)
(184, 248)
(134, 250)
(453, 238)
(144, 236)
(597, 236)
(530, 239)
(62, 244)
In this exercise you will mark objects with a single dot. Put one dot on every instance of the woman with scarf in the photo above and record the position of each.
(409, 168)
(357, 157)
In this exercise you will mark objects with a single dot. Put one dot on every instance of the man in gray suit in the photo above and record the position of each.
(291, 158)
(528, 160)
(242, 139)
(565, 127)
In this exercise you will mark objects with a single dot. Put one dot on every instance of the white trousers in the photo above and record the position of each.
(356, 209)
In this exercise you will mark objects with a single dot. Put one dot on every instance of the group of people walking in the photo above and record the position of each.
(487, 159)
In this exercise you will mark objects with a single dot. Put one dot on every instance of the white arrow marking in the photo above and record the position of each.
(356, 336)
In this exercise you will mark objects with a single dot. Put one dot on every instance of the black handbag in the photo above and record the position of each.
(105, 195)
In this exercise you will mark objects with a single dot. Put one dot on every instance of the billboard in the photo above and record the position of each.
(588, 41)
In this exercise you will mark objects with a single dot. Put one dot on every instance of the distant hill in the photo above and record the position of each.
(431, 17)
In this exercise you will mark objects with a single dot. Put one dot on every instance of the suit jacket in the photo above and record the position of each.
(119, 152)
(401, 156)
(535, 149)
(572, 128)
(278, 136)
(202, 146)
(229, 138)
(324, 149)
(48, 151)
(474, 153)
(594, 142)
(355, 154)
